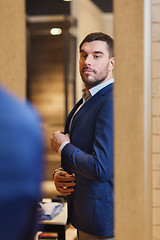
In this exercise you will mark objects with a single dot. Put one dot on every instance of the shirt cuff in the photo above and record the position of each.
(62, 146)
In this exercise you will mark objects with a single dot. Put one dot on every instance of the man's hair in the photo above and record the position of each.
(100, 37)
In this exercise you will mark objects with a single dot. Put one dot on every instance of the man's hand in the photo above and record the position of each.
(64, 182)
(57, 139)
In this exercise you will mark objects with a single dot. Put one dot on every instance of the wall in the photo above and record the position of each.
(108, 21)
(132, 162)
(12, 46)
(156, 117)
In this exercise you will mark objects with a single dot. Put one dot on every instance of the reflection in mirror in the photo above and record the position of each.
(54, 83)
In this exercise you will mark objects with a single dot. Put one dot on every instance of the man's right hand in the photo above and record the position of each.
(64, 182)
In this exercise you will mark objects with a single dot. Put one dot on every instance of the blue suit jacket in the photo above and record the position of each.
(90, 157)
(21, 153)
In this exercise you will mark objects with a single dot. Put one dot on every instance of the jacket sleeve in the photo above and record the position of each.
(98, 165)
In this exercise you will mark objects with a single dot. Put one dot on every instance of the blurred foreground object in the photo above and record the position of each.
(21, 164)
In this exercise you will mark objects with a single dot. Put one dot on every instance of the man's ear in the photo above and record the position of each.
(111, 63)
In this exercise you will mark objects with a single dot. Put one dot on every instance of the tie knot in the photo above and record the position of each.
(86, 94)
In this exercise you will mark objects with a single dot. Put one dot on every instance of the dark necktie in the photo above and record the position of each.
(71, 115)
(86, 94)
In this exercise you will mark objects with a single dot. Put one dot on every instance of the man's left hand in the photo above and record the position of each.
(57, 139)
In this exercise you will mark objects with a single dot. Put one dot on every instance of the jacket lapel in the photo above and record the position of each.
(82, 110)
(88, 104)
(66, 130)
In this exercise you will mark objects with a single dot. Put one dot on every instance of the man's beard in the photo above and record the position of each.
(96, 80)
(93, 84)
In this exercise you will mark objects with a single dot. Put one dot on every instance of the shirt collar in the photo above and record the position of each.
(98, 87)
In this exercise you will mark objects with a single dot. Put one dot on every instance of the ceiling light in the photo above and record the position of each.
(55, 31)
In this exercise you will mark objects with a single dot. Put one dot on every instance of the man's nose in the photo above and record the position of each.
(88, 60)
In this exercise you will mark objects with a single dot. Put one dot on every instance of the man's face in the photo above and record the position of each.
(94, 64)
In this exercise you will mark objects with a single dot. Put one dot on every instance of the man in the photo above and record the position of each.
(21, 154)
(86, 172)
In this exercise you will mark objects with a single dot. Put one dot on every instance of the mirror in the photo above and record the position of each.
(53, 81)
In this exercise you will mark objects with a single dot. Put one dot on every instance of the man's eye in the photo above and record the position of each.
(96, 56)
(83, 56)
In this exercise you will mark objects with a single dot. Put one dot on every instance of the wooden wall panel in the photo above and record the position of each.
(12, 46)
(132, 162)
(156, 117)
